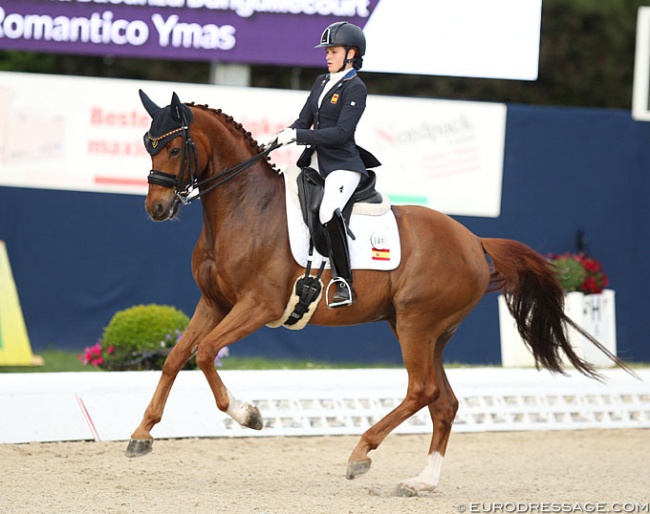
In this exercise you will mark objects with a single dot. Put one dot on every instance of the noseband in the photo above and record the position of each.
(187, 191)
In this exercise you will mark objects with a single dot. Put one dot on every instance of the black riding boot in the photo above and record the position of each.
(339, 254)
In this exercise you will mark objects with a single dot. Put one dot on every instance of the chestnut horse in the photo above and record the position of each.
(244, 268)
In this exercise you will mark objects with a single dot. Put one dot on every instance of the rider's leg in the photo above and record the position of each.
(339, 186)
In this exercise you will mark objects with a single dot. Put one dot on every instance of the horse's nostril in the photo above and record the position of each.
(158, 210)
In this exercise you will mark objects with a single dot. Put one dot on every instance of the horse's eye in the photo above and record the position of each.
(174, 152)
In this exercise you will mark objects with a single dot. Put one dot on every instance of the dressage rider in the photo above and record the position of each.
(327, 124)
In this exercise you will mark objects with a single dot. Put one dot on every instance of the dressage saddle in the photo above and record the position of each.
(310, 193)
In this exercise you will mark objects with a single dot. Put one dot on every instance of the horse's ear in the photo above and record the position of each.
(148, 103)
(177, 108)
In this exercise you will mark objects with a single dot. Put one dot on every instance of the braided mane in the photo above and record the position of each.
(229, 120)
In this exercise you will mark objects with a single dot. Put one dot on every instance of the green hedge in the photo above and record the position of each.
(140, 337)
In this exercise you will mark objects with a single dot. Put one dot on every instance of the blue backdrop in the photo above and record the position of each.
(77, 258)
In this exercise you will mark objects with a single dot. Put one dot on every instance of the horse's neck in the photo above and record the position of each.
(252, 202)
(252, 198)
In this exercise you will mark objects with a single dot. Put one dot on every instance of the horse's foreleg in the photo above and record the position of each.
(241, 321)
(246, 414)
(443, 412)
(141, 441)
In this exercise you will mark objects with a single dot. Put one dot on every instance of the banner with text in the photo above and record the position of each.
(85, 134)
(471, 38)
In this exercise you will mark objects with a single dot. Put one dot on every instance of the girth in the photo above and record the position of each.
(311, 186)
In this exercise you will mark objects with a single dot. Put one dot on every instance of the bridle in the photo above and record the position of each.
(190, 189)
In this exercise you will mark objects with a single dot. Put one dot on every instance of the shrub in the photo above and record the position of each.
(140, 337)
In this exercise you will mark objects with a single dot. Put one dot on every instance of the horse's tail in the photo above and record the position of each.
(535, 299)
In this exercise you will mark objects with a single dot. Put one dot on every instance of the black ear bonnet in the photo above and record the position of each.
(167, 122)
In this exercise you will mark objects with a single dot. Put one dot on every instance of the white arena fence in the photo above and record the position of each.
(39, 407)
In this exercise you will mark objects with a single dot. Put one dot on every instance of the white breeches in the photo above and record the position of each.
(339, 186)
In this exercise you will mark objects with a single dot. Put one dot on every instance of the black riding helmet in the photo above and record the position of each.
(346, 35)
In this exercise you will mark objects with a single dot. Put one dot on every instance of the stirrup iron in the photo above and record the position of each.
(338, 282)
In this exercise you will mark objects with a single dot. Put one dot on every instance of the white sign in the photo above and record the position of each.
(85, 134)
(466, 38)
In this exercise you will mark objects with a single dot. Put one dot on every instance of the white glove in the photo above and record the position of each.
(267, 141)
(286, 137)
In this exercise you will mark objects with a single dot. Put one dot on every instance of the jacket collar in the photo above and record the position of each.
(351, 73)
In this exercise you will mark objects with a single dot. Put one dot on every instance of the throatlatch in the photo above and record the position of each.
(339, 254)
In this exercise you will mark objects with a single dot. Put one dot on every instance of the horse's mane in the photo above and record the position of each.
(229, 120)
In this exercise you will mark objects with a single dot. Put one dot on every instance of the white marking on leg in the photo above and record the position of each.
(430, 476)
(239, 411)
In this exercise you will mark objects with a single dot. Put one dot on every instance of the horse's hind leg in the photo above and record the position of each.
(422, 389)
(141, 441)
(443, 411)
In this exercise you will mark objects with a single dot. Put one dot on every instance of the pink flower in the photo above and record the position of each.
(94, 354)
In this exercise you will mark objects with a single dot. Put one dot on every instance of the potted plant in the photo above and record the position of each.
(579, 272)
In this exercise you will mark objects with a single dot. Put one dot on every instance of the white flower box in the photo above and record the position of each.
(595, 313)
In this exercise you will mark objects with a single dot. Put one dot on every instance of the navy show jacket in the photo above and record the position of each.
(334, 124)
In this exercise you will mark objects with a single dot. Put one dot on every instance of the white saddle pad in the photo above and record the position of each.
(377, 244)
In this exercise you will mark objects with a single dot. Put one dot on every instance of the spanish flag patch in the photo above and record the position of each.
(380, 255)
(335, 98)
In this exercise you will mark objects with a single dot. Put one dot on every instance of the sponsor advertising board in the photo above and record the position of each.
(85, 134)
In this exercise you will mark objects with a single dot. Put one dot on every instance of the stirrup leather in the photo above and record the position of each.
(338, 302)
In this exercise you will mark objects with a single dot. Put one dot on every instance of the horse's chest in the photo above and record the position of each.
(208, 278)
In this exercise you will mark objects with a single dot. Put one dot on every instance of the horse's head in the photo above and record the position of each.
(194, 150)
(173, 157)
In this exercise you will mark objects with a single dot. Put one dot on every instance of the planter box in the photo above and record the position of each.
(595, 313)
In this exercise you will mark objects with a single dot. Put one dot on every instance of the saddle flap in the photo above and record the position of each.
(310, 189)
(310, 193)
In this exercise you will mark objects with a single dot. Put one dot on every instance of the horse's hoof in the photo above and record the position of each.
(412, 488)
(405, 491)
(254, 418)
(139, 447)
(357, 468)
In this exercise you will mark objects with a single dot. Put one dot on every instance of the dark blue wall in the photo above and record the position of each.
(79, 257)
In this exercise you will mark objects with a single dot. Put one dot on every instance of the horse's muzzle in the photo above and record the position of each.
(163, 210)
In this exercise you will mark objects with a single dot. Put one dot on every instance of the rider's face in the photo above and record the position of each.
(335, 56)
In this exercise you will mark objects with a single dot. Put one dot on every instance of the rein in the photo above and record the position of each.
(186, 191)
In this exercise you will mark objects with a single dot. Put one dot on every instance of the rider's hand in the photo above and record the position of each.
(267, 141)
(286, 137)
